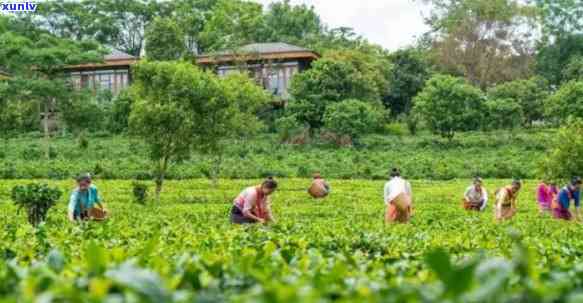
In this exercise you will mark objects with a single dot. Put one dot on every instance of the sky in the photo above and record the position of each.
(391, 23)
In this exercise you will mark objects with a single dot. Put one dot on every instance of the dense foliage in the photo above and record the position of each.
(566, 102)
(179, 108)
(449, 105)
(165, 40)
(337, 250)
(499, 154)
(565, 158)
(352, 118)
(36, 200)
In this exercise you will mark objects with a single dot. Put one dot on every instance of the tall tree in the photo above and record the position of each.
(554, 58)
(192, 16)
(410, 70)
(560, 18)
(165, 40)
(179, 108)
(233, 23)
(487, 41)
(298, 24)
(119, 23)
(37, 59)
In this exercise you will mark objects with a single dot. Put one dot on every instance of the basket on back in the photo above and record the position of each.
(402, 202)
(317, 191)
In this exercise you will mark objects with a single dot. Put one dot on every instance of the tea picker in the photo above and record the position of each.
(253, 204)
(476, 196)
(398, 198)
(506, 197)
(319, 188)
(85, 202)
(562, 203)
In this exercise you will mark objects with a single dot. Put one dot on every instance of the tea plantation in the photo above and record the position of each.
(333, 250)
(500, 154)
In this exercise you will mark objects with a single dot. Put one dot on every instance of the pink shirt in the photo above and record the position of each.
(251, 200)
(546, 194)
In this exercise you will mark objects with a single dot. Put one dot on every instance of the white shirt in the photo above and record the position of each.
(395, 187)
(475, 197)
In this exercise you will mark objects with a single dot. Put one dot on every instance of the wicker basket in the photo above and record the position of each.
(402, 202)
(97, 214)
(317, 191)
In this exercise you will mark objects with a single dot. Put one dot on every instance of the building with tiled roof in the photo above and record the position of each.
(112, 74)
(271, 64)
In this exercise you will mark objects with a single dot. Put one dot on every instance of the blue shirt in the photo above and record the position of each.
(83, 200)
(566, 195)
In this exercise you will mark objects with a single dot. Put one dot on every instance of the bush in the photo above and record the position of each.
(120, 112)
(503, 114)
(352, 118)
(566, 102)
(449, 104)
(36, 199)
(289, 128)
(574, 70)
(395, 129)
(529, 94)
(85, 112)
(334, 78)
(565, 160)
(140, 192)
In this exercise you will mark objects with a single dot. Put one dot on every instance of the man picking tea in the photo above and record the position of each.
(83, 201)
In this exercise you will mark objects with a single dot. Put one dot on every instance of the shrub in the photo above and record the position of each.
(565, 160)
(566, 102)
(449, 104)
(574, 70)
(332, 79)
(529, 94)
(395, 129)
(288, 127)
(351, 118)
(83, 140)
(36, 199)
(140, 192)
(120, 112)
(503, 113)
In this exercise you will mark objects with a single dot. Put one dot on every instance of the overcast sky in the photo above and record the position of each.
(390, 23)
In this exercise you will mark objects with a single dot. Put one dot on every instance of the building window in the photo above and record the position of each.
(274, 83)
(105, 81)
(85, 81)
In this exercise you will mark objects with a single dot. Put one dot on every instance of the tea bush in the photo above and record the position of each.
(333, 250)
(121, 157)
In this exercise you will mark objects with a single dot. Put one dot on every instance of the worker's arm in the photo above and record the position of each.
(485, 198)
(270, 217)
(72, 206)
(98, 201)
(248, 206)
(466, 194)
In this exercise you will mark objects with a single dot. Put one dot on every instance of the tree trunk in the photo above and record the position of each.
(46, 131)
(217, 169)
(162, 166)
